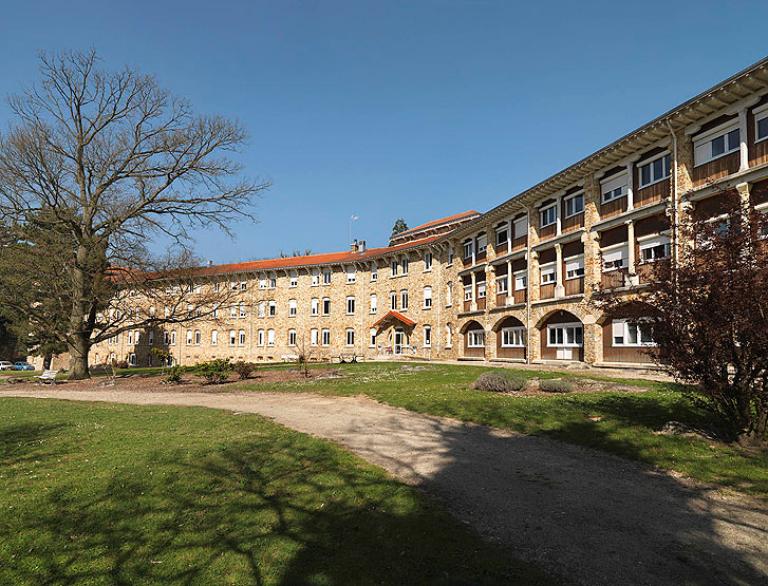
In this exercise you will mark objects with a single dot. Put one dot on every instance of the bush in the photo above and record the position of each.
(173, 375)
(555, 386)
(216, 371)
(499, 382)
(244, 369)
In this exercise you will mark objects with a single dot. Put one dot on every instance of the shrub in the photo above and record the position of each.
(216, 371)
(244, 369)
(173, 375)
(555, 386)
(499, 382)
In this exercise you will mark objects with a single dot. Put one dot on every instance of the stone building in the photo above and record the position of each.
(511, 284)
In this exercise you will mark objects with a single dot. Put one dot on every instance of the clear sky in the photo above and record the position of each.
(418, 108)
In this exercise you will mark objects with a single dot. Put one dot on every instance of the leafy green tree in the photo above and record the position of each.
(399, 227)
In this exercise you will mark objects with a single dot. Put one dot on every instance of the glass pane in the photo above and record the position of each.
(632, 334)
(579, 336)
(658, 169)
(718, 146)
(733, 139)
(762, 128)
(645, 174)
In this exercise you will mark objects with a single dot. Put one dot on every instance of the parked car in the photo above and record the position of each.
(5, 365)
(22, 365)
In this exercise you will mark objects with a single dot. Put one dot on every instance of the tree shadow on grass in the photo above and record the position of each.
(27, 442)
(281, 512)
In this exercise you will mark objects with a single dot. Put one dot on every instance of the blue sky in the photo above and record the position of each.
(385, 109)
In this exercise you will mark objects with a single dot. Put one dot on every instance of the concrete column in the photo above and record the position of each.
(510, 284)
(473, 304)
(559, 215)
(630, 186)
(559, 287)
(490, 287)
(631, 242)
(533, 276)
(743, 149)
(509, 235)
(744, 190)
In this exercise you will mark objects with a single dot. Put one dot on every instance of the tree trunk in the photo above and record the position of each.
(78, 358)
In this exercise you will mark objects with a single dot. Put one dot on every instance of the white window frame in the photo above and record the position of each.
(404, 300)
(569, 199)
(349, 332)
(703, 143)
(427, 262)
(513, 337)
(351, 275)
(650, 161)
(468, 248)
(293, 308)
(482, 289)
(482, 242)
(350, 305)
(314, 306)
(260, 338)
(544, 211)
(653, 242)
(214, 337)
(760, 113)
(620, 328)
(578, 260)
(294, 279)
(521, 284)
(270, 337)
(427, 297)
(427, 336)
(241, 338)
(374, 272)
(292, 337)
(314, 336)
(325, 337)
(327, 276)
(476, 338)
(372, 338)
(622, 247)
(547, 270)
(516, 224)
(613, 184)
(501, 229)
(566, 327)
(374, 304)
(502, 284)
(468, 293)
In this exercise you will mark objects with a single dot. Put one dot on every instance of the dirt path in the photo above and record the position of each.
(586, 515)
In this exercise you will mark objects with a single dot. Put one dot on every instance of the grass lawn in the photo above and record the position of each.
(621, 423)
(104, 494)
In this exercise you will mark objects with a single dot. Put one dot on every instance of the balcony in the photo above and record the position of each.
(574, 286)
(547, 291)
(520, 296)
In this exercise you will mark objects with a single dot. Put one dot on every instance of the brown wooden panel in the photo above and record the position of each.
(473, 352)
(612, 279)
(518, 265)
(520, 243)
(481, 256)
(645, 271)
(716, 169)
(611, 353)
(467, 306)
(574, 286)
(502, 248)
(613, 236)
(521, 296)
(547, 291)
(481, 303)
(651, 194)
(547, 256)
(509, 353)
(548, 232)
(501, 299)
(573, 248)
(651, 225)
(613, 208)
(759, 193)
(758, 152)
(573, 223)
(716, 205)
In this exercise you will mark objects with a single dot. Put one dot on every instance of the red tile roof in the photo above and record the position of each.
(395, 315)
(439, 221)
(312, 259)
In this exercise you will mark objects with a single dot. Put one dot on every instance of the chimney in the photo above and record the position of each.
(353, 247)
(210, 263)
(361, 246)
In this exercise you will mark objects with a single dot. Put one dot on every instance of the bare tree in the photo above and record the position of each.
(107, 161)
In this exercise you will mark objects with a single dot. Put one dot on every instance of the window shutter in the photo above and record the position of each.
(618, 328)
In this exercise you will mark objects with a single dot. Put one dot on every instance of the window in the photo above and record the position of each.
(130, 339)
(372, 338)
(501, 234)
(291, 337)
(173, 338)
(294, 279)
(520, 227)
(427, 297)
(215, 311)
(262, 309)
(151, 337)
(270, 337)
(404, 265)
(233, 311)
(468, 293)
(190, 337)
(716, 143)
(654, 171)
(548, 273)
(468, 249)
(315, 277)
(232, 337)
(394, 267)
(374, 303)
(450, 255)
(198, 338)
(313, 337)
(132, 359)
(261, 337)
(243, 311)
(548, 216)
(427, 336)
(350, 305)
(448, 336)
(272, 282)
(574, 204)
(481, 290)
(326, 337)
(615, 187)
(241, 337)
(632, 333)
(374, 272)
(404, 299)
(393, 299)
(351, 275)
(292, 308)
(654, 248)
(272, 308)
(476, 339)
(482, 243)
(262, 282)
(315, 306)
(574, 267)
(513, 337)
(615, 258)
(521, 280)
(761, 124)
(428, 261)
(565, 335)
(214, 337)
(326, 306)
(350, 337)
(501, 285)
(449, 294)
(327, 275)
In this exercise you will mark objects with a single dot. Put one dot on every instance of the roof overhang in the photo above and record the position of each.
(394, 317)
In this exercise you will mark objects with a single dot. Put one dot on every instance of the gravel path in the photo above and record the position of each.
(586, 515)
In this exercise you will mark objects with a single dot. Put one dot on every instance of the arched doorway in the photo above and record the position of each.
(474, 339)
(562, 337)
(511, 339)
